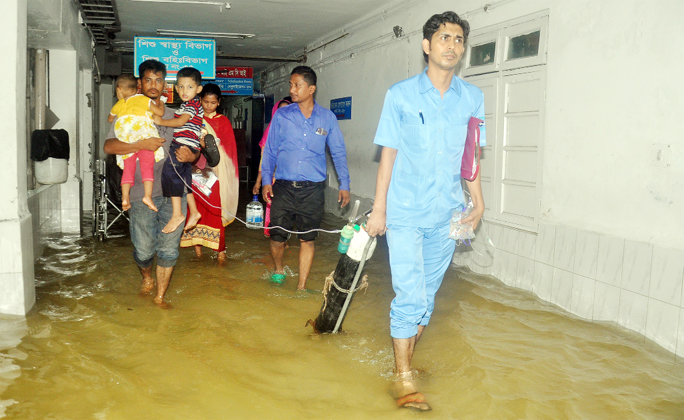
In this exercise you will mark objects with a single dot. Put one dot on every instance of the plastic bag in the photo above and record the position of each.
(461, 233)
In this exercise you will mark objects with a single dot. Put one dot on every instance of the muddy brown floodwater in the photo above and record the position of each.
(234, 346)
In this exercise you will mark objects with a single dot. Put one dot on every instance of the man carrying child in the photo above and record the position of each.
(146, 225)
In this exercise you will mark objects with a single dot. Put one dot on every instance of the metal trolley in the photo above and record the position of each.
(106, 209)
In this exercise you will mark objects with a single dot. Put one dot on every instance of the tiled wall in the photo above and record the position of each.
(46, 211)
(55, 208)
(17, 292)
(597, 277)
(70, 196)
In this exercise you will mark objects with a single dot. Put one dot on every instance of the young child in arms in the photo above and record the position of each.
(187, 123)
(133, 113)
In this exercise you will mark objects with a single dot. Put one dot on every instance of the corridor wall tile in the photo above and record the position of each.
(497, 263)
(510, 263)
(636, 268)
(606, 302)
(495, 232)
(525, 273)
(561, 292)
(544, 245)
(662, 323)
(582, 302)
(632, 312)
(586, 254)
(509, 240)
(480, 259)
(667, 272)
(487, 259)
(610, 259)
(564, 248)
(542, 281)
(526, 244)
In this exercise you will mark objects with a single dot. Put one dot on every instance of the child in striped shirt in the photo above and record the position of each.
(187, 124)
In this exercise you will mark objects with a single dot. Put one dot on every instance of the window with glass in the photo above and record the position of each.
(521, 46)
(481, 55)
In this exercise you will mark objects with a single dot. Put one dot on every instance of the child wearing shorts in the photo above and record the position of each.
(187, 124)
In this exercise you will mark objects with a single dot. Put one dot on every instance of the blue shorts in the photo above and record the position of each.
(419, 258)
(147, 236)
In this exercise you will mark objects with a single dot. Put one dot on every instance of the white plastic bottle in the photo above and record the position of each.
(255, 214)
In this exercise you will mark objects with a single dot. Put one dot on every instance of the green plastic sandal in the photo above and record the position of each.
(277, 278)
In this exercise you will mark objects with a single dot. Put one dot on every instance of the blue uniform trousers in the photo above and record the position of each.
(419, 257)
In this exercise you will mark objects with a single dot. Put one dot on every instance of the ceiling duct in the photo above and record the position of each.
(101, 17)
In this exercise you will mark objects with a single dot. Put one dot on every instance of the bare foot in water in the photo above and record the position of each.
(192, 221)
(173, 224)
(406, 393)
(147, 286)
(221, 258)
(125, 204)
(198, 250)
(148, 202)
(159, 301)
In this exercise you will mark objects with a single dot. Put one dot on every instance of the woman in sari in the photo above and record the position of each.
(219, 207)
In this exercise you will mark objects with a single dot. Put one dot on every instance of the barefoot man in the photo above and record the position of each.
(422, 132)
(146, 225)
(295, 152)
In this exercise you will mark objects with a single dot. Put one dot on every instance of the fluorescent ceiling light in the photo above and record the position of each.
(220, 4)
(197, 34)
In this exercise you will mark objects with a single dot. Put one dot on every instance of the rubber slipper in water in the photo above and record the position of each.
(211, 151)
(277, 278)
(415, 401)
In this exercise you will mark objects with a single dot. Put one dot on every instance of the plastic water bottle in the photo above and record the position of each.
(345, 238)
(255, 214)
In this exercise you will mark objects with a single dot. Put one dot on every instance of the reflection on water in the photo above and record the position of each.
(12, 330)
(234, 346)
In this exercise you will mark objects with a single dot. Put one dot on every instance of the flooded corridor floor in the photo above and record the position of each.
(234, 346)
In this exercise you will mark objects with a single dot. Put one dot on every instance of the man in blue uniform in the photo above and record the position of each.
(422, 132)
(295, 148)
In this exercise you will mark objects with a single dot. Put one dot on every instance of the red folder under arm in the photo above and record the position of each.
(470, 164)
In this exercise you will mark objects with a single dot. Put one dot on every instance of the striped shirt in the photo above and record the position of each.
(189, 133)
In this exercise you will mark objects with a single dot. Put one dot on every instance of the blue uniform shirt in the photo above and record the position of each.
(429, 134)
(296, 146)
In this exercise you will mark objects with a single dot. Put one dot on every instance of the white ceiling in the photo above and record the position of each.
(282, 28)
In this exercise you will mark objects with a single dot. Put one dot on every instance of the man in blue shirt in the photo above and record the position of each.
(295, 149)
(422, 132)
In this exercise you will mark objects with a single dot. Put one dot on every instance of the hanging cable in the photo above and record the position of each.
(243, 221)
